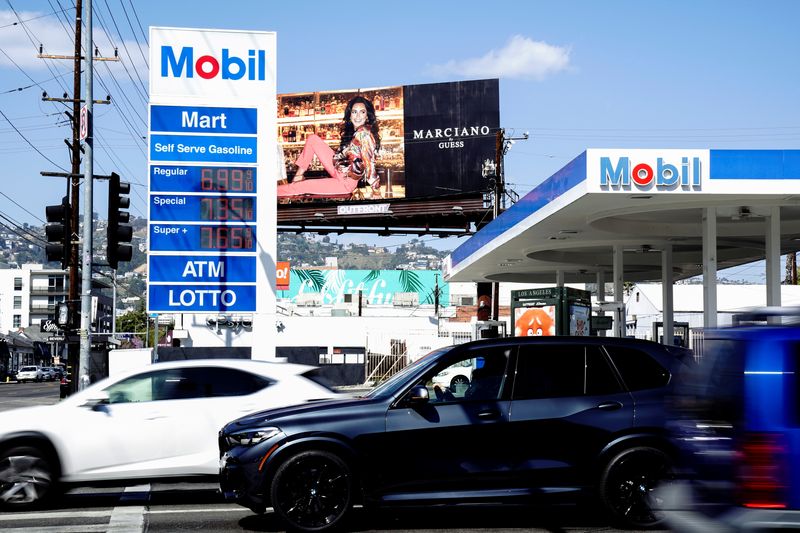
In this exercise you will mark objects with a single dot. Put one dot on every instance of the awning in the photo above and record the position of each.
(643, 200)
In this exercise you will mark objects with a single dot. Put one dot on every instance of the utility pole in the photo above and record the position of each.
(88, 222)
(74, 184)
(499, 187)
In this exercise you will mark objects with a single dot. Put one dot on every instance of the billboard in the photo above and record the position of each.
(378, 287)
(411, 141)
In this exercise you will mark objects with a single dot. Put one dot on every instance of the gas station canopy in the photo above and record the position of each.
(644, 201)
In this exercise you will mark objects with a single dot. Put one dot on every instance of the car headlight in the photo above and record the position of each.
(251, 437)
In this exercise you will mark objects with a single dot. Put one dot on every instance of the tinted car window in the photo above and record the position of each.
(184, 384)
(639, 370)
(207, 382)
(550, 371)
(600, 377)
(137, 388)
(477, 376)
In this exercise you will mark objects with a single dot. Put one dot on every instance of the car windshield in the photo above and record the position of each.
(391, 383)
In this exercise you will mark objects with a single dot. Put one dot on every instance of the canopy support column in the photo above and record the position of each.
(601, 296)
(773, 257)
(666, 296)
(619, 291)
(710, 267)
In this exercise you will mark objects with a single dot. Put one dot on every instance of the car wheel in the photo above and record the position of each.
(459, 381)
(26, 478)
(312, 491)
(628, 482)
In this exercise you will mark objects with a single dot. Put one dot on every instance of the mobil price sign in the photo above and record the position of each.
(212, 135)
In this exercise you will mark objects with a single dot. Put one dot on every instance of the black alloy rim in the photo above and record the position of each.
(631, 484)
(24, 479)
(314, 492)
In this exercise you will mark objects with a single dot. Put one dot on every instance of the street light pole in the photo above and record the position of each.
(88, 206)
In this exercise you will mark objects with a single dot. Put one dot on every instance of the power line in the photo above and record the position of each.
(31, 36)
(28, 20)
(103, 23)
(133, 32)
(18, 205)
(23, 236)
(31, 144)
(34, 84)
(136, 15)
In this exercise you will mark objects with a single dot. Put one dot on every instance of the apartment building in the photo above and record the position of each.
(29, 294)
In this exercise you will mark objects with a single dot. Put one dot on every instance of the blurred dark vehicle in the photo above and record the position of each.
(541, 419)
(738, 429)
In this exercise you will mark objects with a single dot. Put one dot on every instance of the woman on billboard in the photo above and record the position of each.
(353, 164)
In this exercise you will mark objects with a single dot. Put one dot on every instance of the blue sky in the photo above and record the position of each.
(575, 74)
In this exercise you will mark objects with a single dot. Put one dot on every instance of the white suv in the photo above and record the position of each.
(30, 373)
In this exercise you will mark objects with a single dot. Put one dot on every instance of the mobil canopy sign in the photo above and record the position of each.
(669, 170)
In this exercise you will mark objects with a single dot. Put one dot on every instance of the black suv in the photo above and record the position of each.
(539, 419)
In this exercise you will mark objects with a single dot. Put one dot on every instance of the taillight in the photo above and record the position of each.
(762, 475)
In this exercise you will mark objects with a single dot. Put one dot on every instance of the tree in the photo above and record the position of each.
(133, 322)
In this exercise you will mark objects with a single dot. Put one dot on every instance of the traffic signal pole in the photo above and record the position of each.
(71, 247)
(84, 370)
(75, 191)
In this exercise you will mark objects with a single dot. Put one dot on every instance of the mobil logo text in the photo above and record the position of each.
(667, 174)
(186, 62)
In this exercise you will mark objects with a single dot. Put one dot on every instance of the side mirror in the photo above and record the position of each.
(417, 395)
(98, 398)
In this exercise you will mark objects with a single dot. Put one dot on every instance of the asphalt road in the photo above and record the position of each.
(161, 507)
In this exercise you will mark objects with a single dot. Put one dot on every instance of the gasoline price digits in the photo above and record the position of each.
(224, 179)
(224, 208)
(226, 237)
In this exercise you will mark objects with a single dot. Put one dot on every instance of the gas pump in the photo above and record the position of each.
(616, 310)
(489, 329)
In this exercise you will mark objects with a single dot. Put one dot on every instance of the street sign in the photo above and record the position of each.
(84, 125)
(56, 338)
(49, 325)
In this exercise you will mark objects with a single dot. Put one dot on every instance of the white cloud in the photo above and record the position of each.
(56, 38)
(520, 58)
(22, 47)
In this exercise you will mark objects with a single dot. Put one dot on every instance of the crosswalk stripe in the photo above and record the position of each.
(129, 519)
(90, 528)
(45, 515)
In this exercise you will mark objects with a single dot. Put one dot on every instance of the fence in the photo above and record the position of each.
(380, 367)
(386, 355)
(696, 338)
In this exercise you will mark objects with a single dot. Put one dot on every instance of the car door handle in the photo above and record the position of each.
(489, 414)
(610, 406)
(154, 416)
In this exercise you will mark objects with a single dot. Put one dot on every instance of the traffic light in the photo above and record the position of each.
(119, 231)
(58, 231)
